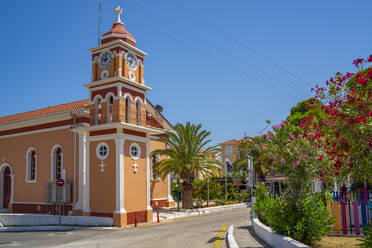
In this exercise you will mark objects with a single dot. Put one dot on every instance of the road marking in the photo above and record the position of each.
(217, 242)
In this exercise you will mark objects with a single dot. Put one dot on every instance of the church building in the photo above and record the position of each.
(90, 157)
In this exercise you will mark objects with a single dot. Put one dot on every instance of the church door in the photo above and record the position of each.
(6, 187)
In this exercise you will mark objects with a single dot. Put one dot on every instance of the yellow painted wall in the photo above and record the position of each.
(14, 150)
(135, 183)
(102, 184)
(158, 189)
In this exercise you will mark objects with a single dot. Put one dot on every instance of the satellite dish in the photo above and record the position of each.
(158, 108)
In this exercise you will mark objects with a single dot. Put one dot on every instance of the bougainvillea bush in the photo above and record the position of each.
(332, 142)
(347, 130)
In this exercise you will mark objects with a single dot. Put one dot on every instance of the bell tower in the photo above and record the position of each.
(117, 88)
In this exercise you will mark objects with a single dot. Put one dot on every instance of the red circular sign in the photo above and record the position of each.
(60, 182)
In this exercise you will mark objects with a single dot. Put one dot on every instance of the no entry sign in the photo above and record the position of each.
(60, 182)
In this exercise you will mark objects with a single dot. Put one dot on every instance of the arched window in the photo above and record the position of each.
(31, 164)
(138, 109)
(97, 111)
(127, 110)
(58, 163)
(57, 171)
(110, 105)
(154, 160)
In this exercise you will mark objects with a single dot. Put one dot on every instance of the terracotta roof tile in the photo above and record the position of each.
(118, 28)
(44, 111)
(232, 141)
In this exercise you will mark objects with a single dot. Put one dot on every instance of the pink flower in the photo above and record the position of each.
(262, 145)
(292, 136)
(370, 58)
(294, 164)
(282, 161)
(320, 157)
(262, 212)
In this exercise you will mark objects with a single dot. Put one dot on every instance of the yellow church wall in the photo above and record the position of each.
(135, 183)
(102, 184)
(14, 150)
(158, 189)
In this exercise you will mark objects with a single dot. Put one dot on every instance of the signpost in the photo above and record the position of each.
(59, 182)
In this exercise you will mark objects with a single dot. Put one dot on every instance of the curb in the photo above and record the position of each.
(272, 238)
(50, 228)
(231, 243)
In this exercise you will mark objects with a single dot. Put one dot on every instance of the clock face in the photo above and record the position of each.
(131, 61)
(105, 59)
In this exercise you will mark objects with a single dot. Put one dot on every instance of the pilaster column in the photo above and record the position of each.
(79, 203)
(119, 175)
(86, 176)
(148, 173)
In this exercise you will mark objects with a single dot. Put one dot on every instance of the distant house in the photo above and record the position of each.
(230, 152)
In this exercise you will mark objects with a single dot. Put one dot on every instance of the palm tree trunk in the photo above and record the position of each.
(187, 202)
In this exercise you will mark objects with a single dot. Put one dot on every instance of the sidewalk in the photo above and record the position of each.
(245, 237)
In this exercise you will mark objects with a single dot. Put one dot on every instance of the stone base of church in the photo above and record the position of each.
(120, 219)
(77, 212)
(86, 213)
(10, 208)
(171, 204)
(40, 208)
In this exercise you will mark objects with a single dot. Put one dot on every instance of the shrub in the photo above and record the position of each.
(304, 220)
(367, 239)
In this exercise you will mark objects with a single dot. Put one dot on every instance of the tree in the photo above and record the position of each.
(347, 128)
(253, 147)
(187, 152)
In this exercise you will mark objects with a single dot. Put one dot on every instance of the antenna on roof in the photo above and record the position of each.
(99, 22)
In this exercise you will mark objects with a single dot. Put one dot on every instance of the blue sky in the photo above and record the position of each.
(45, 58)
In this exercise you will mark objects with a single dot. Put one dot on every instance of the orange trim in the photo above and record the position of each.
(134, 133)
(102, 132)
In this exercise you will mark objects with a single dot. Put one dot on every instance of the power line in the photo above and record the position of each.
(214, 46)
(210, 56)
(238, 41)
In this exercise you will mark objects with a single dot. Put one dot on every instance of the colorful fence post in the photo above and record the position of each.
(337, 218)
(343, 215)
(329, 209)
(363, 207)
(356, 217)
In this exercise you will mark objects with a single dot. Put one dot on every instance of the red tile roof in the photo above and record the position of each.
(118, 28)
(232, 141)
(44, 111)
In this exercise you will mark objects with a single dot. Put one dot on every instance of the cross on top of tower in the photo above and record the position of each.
(118, 11)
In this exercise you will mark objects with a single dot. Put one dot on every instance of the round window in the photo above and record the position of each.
(135, 151)
(102, 150)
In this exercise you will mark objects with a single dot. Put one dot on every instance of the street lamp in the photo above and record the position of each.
(250, 170)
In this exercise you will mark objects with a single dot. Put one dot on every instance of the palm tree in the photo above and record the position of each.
(253, 147)
(187, 153)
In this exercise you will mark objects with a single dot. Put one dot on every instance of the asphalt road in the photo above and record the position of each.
(197, 231)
